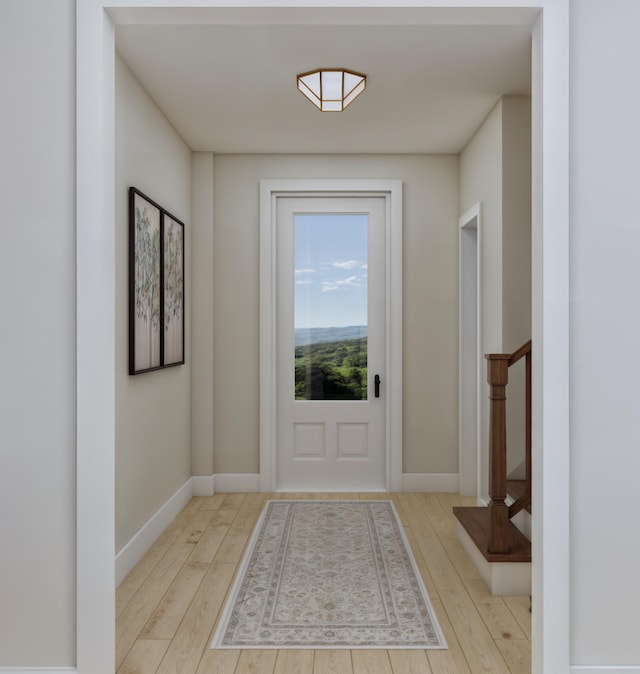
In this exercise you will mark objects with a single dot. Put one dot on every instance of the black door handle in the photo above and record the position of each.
(376, 384)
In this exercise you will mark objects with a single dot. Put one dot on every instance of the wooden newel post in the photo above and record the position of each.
(497, 377)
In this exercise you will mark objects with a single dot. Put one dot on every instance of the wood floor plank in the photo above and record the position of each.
(219, 661)
(291, 661)
(212, 502)
(429, 585)
(413, 544)
(184, 517)
(140, 572)
(440, 567)
(517, 654)
(195, 631)
(398, 506)
(197, 526)
(257, 661)
(500, 621)
(165, 620)
(209, 543)
(233, 544)
(479, 592)
(441, 518)
(144, 657)
(450, 660)
(409, 662)
(478, 645)
(138, 611)
(459, 558)
(232, 501)
(370, 661)
(520, 607)
(330, 661)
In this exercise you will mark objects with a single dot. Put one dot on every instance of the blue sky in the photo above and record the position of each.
(330, 270)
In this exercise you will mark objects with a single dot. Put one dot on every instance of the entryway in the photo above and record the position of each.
(331, 375)
(331, 343)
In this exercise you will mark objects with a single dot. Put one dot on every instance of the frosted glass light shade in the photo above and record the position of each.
(331, 90)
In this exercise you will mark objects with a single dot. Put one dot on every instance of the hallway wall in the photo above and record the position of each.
(430, 299)
(153, 409)
(38, 335)
(495, 170)
(605, 333)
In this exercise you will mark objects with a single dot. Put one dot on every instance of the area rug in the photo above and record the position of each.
(328, 574)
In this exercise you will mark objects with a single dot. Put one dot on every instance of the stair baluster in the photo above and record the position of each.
(498, 377)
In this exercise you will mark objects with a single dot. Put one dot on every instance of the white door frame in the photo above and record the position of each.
(391, 192)
(95, 254)
(470, 350)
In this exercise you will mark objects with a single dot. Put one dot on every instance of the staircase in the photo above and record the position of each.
(500, 551)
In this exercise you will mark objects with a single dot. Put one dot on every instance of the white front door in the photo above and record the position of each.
(330, 352)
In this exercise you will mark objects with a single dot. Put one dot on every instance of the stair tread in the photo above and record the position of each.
(476, 523)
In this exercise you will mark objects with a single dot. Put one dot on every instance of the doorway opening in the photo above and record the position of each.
(308, 444)
(95, 283)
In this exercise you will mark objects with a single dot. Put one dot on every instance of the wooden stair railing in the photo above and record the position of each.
(499, 512)
(491, 528)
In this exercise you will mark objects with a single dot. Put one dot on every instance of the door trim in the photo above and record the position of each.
(470, 339)
(391, 191)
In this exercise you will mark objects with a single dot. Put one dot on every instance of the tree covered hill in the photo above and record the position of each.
(333, 370)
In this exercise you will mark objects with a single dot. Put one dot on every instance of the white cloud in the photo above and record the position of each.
(304, 282)
(354, 281)
(348, 264)
(305, 271)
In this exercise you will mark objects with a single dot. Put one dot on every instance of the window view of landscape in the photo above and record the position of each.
(331, 364)
(331, 307)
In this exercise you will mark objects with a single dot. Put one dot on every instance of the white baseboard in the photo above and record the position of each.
(38, 670)
(603, 669)
(198, 485)
(203, 485)
(237, 482)
(430, 482)
(133, 551)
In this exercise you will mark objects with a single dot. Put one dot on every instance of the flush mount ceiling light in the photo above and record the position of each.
(331, 89)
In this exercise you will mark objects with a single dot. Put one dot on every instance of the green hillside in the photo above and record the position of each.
(332, 370)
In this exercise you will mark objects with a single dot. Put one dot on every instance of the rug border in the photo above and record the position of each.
(229, 601)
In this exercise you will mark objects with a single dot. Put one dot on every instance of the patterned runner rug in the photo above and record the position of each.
(328, 574)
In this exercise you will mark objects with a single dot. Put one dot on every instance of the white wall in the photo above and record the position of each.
(153, 410)
(516, 221)
(37, 305)
(605, 330)
(202, 376)
(481, 181)
(430, 300)
(495, 170)
(516, 265)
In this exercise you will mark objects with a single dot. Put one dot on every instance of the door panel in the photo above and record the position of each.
(330, 343)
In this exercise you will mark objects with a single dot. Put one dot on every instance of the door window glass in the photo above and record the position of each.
(330, 315)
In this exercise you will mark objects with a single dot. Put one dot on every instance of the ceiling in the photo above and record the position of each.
(232, 88)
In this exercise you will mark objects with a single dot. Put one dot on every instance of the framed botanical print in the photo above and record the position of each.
(173, 290)
(145, 283)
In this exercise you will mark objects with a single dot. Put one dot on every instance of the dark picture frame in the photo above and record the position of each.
(173, 290)
(156, 286)
(145, 283)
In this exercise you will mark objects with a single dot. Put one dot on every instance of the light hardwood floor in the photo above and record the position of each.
(168, 605)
